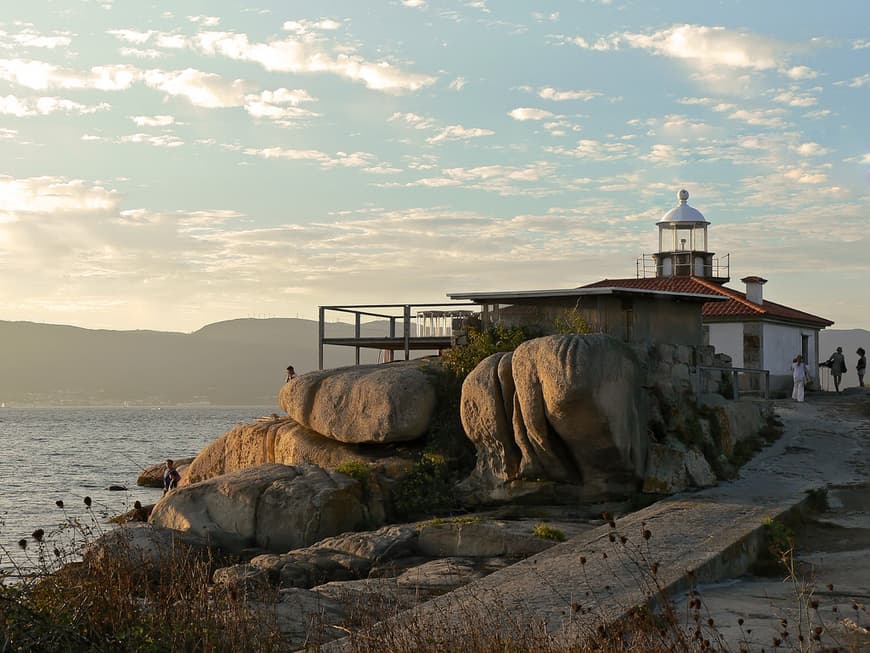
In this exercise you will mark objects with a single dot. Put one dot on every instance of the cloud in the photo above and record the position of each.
(300, 56)
(415, 4)
(664, 154)
(306, 26)
(810, 149)
(459, 133)
(549, 93)
(793, 99)
(457, 84)
(707, 48)
(43, 106)
(527, 113)
(161, 140)
(39, 75)
(804, 176)
(153, 121)
(801, 72)
(596, 150)
(206, 21)
(280, 105)
(412, 120)
(326, 161)
(201, 89)
(856, 82)
(131, 35)
(53, 194)
(30, 38)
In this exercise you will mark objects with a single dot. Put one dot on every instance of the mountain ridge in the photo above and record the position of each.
(232, 362)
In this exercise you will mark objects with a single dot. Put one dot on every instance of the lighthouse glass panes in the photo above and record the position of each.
(682, 238)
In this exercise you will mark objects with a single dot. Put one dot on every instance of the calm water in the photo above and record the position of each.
(51, 454)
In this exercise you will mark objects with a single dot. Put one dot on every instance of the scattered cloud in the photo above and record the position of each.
(30, 38)
(856, 82)
(528, 113)
(594, 150)
(43, 106)
(202, 89)
(795, 99)
(549, 93)
(39, 75)
(457, 84)
(810, 149)
(153, 121)
(459, 133)
(301, 56)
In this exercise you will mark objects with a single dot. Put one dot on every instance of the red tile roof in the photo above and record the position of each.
(737, 305)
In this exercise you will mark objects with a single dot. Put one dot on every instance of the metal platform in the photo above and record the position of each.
(405, 327)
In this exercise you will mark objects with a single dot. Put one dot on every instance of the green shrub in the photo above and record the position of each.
(547, 532)
(426, 489)
(572, 321)
(356, 470)
(481, 344)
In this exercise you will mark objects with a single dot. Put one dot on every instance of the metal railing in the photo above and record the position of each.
(720, 268)
(408, 327)
(735, 373)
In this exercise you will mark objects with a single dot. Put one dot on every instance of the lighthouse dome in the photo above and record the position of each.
(683, 213)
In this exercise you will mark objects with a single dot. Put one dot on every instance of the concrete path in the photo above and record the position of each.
(700, 537)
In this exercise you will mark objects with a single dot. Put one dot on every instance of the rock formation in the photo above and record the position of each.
(568, 409)
(284, 441)
(272, 507)
(365, 404)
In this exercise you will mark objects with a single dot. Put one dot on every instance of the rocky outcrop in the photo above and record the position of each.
(272, 507)
(284, 441)
(152, 476)
(145, 546)
(567, 409)
(390, 550)
(365, 404)
(673, 467)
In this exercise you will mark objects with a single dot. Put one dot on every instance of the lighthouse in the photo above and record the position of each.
(683, 250)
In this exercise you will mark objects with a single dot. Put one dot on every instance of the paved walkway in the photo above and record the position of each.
(698, 537)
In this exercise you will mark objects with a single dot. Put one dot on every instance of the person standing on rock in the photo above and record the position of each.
(800, 376)
(291, 373)
(170, 476)
(837, 363)
(861, 367)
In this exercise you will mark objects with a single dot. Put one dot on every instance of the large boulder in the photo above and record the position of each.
(284, 441)
(568, 409)
(272, 507)
(365, 404)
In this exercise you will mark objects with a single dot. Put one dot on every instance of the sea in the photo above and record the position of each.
(70, 453)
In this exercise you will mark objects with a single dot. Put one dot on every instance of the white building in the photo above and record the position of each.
(755, 332)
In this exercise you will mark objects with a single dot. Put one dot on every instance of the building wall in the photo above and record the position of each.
(727, 338)
(781, 344)
(638, 320)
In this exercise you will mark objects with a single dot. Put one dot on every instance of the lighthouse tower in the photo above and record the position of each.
(683, 245)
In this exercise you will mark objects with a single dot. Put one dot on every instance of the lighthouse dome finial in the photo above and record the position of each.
(683, 196)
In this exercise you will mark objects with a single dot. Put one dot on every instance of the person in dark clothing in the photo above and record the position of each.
(291, 373)
(837, 363)
(170, 476)
(861, 367)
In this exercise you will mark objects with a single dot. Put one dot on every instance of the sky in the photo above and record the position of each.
(165, 165)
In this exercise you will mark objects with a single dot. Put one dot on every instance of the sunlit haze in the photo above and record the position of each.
(170, 164)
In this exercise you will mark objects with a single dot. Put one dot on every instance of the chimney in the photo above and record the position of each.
(754, 293)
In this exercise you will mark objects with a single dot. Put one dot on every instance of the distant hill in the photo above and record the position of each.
(238, 362)
(849, 340)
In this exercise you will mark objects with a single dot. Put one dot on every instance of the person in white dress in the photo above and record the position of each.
(799, 374)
